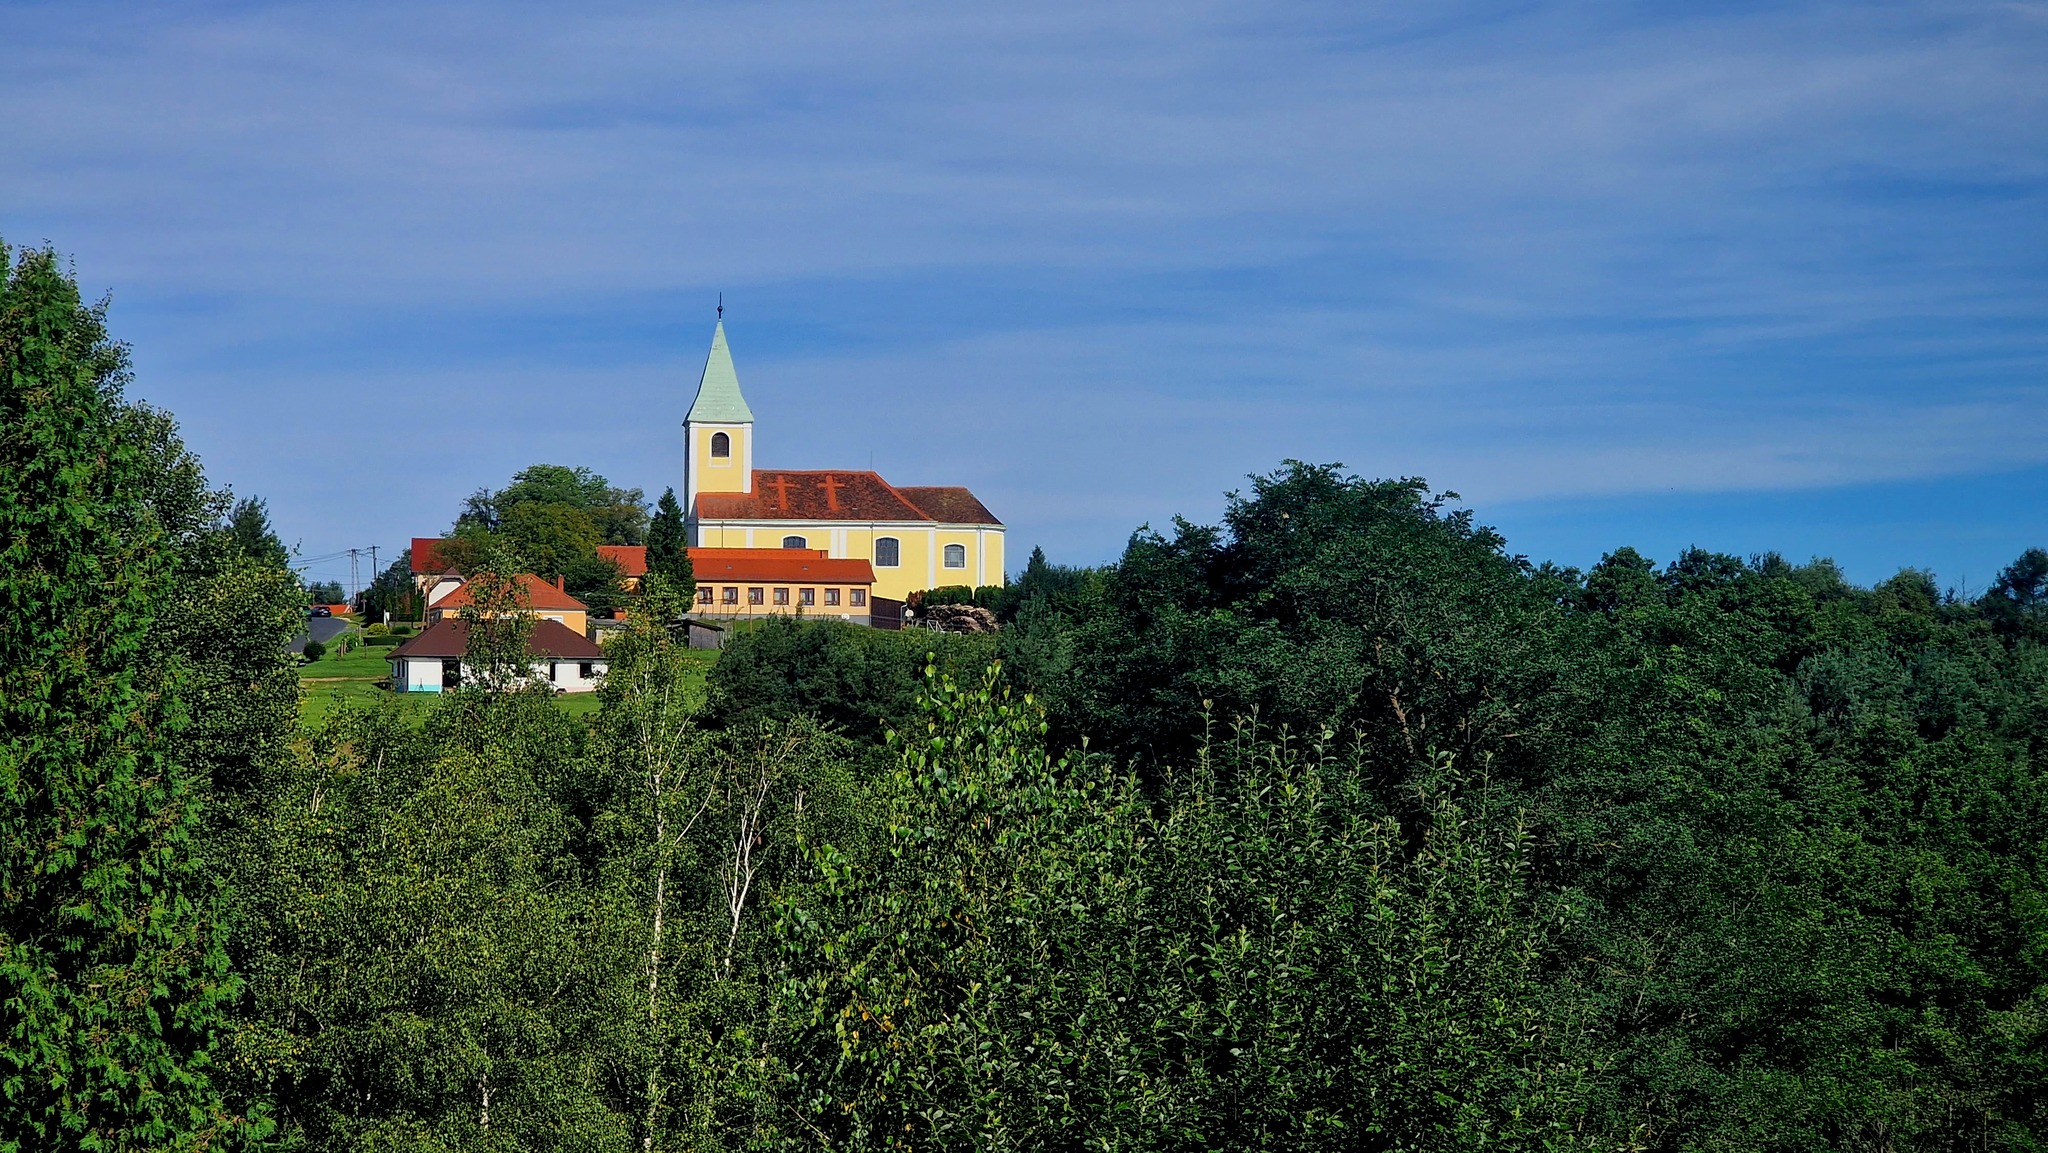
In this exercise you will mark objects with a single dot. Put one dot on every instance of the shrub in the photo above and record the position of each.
(377, 630)
(382, 642)
(315, 650)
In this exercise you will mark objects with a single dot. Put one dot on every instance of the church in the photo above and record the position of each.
(916, 537)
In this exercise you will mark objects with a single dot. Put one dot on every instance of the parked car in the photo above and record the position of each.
(320, 611)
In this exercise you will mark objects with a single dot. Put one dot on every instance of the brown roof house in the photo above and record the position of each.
(437, 659)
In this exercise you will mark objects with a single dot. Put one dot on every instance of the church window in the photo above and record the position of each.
(732, 596)
(860, 597)
(794, 542)
(782, 596)
(704, 595)
(807, 596)
(721, 445)
(753, 596)
(956, 556)
(831, 596)
(888, 551)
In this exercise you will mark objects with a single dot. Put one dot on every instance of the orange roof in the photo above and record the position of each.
(833, 495)
(788, 565)
(631, 558)
(536, 594)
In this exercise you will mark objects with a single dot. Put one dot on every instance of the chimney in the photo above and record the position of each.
(560, 585)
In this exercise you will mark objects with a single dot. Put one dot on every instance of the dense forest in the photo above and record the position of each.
(1336, 825)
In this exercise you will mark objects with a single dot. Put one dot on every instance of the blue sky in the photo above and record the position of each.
(1747, 276)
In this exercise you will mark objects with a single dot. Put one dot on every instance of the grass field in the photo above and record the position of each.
(333, 683)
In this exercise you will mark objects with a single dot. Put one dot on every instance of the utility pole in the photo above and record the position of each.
(352, 575)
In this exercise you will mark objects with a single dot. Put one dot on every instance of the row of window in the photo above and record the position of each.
(451, 671)
(730, 595)
(889, 551)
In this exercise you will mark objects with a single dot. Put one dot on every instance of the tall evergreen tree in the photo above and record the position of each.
(668, 552)
(112, 976)
(249, 525)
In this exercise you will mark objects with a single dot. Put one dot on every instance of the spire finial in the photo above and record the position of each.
(721, 306)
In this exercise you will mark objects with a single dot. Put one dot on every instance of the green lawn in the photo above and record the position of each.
(361, 677)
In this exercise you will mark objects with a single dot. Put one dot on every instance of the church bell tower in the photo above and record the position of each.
(718, 433)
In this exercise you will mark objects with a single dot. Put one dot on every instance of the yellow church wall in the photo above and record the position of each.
(920, 549)
(720, 474)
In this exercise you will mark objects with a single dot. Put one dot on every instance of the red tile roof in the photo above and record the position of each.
(426, 555)
(537, 594)
(631, 558)
(949, 504)
(549, 639)
(752, 564)
(787, 565)
(782, 494)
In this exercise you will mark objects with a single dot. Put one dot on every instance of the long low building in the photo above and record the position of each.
(751, 582)
(437, 659)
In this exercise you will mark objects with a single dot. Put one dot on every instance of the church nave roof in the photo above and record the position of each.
(833, 494)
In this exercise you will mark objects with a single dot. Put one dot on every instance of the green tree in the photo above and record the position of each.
(249, 526)
(394, 592)
(619, 515)
(2017, 603)
(418, 974)
(326, 593)
(668, 550)
(858, 680)
(113, 977)
(548, 538)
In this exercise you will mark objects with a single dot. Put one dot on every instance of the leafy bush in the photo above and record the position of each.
(377, 630)
(315, 650)
(855, 678)
(382, 642)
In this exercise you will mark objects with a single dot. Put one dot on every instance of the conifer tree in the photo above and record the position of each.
(668, 547)
(113, 978)
(249, 525)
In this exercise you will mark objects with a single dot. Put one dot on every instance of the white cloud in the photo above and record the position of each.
(1524, 251)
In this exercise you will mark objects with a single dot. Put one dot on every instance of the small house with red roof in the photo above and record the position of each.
(542, 599)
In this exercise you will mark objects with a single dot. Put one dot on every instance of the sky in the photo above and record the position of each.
(1752, 277)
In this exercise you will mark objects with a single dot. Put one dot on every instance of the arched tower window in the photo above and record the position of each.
(888, 552)
(721, 445)
(795, 542)
(956, 556)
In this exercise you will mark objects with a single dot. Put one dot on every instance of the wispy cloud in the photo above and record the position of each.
(1097, 259)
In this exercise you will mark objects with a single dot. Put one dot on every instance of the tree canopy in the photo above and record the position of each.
(1334, 825)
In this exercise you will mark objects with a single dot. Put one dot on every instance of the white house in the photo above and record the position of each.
(435, 659)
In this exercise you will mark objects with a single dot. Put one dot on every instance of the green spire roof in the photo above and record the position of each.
(718, 391)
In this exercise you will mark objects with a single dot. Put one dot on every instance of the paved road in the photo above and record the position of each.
(322, 629)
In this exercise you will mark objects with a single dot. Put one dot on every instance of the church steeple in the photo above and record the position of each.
(718, 390)
(718, 433)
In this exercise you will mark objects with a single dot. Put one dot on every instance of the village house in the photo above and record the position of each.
(541, 599)
(435, 660)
